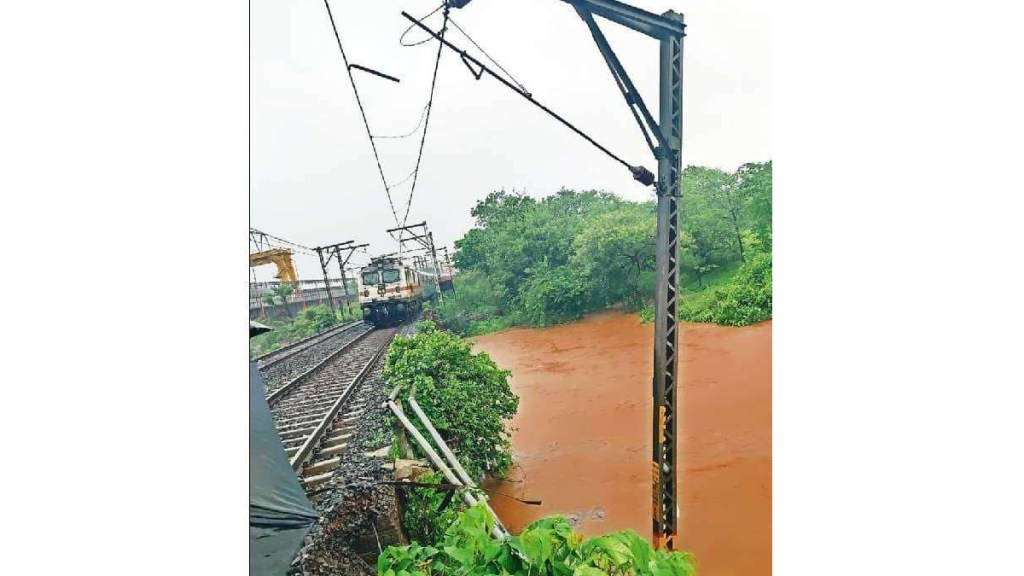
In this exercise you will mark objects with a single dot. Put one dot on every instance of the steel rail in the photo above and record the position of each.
(280, 392)
(310, 340)
(318, 433)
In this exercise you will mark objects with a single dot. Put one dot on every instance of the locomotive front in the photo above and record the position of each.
(389, 292)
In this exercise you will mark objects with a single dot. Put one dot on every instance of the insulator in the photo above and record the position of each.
(642, 175)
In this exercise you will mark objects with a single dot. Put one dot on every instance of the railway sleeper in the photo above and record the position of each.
(331, 451)
(312, 408)
(293, 417)
(338, 438)
(305, 403)
(299, 413)
(309, 407)
(329, 395)
(351, 417)
(321, 467)
(297, 432)
(297, 423)
(293, 442)
(313, 389)
(314, 398)
(311, 482)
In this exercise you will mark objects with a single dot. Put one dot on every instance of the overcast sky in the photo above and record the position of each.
(313, 176)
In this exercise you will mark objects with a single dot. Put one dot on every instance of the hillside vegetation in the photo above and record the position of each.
(539, 262)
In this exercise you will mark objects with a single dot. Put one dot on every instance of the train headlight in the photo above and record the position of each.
(366, 293)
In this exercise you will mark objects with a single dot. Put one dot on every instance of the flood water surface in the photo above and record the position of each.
(583, 434)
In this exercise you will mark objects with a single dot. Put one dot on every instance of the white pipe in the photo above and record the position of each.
(449, 455)
(469, 498)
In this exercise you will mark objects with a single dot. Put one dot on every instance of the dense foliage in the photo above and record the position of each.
(548, 547)
(538, 262)
(465, 395)
(745, 299)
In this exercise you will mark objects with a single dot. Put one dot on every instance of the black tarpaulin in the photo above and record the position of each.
(255, 328)
(279, 513)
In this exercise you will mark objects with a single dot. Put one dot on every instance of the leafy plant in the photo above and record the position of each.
(465, 395)
(423, 519)
(551, 295)
(547, 547)
(744, 300)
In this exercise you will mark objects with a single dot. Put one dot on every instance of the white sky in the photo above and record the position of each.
(313, 176)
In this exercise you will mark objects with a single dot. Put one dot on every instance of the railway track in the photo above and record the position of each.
(290, 368)
(283, 353)
(316, 413)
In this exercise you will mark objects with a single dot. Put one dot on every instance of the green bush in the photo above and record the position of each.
(744, 300)
(474, 300)
(552, 295)
(547, 547)
(478, 327)
(465, 395)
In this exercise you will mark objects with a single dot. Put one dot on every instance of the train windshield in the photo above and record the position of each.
(370, 278)
(391, 275)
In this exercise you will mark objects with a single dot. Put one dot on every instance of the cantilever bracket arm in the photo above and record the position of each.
(633, 99)
(631, 17)
(634, 18)
(330, 254)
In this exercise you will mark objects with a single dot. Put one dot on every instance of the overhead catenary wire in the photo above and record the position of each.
(362, 111)
(426, 123)
(423, 115)
(639, 172)
(488, 56)
(401, 39)
(306, 250)
(402, 181)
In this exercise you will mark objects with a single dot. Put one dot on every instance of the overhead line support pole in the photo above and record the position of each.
(341, 266)
(666, 357)
(323, 268)
(437, 268)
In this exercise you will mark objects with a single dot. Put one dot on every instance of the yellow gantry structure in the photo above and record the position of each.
(281, 258)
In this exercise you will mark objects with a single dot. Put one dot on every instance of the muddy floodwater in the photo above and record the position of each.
(583, 439)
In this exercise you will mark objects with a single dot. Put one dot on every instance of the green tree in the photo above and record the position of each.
(282, 291)
(616, 253)
(713, 207)
(552, 294)
(755, 184)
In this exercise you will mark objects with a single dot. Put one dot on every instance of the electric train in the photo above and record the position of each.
(391, 291)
